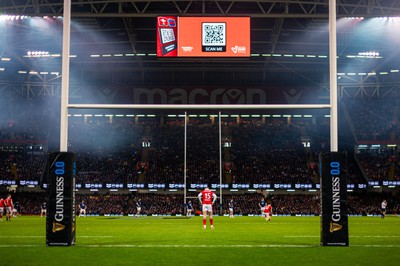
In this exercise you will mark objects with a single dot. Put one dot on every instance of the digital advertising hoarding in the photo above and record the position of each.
(203, 36)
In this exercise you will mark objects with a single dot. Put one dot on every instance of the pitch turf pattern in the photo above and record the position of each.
(240, 241)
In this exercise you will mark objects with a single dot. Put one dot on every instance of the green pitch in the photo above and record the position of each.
(239, 241)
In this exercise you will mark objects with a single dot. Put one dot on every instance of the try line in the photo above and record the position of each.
(199, 246)
(306, 236)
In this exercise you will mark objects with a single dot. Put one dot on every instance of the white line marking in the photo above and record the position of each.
(20, 236)
(300, 236)
(200, 246)
(78, 236)
(305, 236)
(376, 236)
(175, 246)
(293, 236)
(377, 246)
(45, 236)
(21, 246)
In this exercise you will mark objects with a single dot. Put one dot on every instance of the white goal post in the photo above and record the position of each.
(202, 107)
(199, 106)
(65, 106)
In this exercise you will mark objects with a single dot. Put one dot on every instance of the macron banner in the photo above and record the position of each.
(334, 219)
(60, 219)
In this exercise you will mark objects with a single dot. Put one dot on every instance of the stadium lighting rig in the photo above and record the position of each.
(12, 17)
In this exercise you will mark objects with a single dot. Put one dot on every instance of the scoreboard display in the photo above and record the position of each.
(203, 36)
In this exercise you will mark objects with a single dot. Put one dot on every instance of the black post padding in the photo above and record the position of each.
(333, 195)
(61, 216)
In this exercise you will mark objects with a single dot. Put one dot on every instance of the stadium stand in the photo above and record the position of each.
(120, 150)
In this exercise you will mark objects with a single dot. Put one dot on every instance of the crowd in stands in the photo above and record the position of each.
(245, 204)
(374, 119)
(380, 163)
(108, 151)
(151, 150)
(21, 166)
(203, 154)
(166, 154)
(107, 166)
(25, 119)
(369, 203)
(269, 152)
(375, 167)
(30, 202)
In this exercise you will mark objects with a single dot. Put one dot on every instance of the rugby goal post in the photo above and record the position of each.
(65, 106)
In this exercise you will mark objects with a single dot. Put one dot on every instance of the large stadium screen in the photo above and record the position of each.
(203, 36)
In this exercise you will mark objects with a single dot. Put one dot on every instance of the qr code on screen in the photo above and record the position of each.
(167, 35)
(214, 33)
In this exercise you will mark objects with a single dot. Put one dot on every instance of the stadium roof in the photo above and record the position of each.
(289, 42)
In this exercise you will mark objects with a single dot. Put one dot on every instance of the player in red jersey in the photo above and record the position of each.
(268, 212)
(2, 205)
(9, 207)
(207, 199)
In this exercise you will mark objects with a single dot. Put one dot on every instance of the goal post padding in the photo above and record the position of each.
(61, 216)
(334, 213)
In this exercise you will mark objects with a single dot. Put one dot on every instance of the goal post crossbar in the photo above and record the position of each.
(199, 106)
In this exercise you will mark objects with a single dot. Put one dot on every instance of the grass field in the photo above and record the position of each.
(178, 241)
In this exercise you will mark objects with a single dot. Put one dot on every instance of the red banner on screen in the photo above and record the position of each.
(167, 36)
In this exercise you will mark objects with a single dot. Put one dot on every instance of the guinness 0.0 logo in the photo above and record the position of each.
(334, 227)
(58, 227)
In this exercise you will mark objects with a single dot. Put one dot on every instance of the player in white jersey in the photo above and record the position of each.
(138, 207)
(383, 209)
(231, 208)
